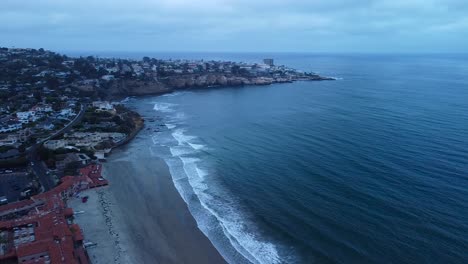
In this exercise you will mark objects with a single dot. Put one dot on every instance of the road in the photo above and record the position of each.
(65, 129)
(37, 165)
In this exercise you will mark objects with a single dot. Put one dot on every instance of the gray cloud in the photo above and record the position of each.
(237, 25)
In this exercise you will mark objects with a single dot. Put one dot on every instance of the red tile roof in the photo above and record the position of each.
(47, 212)
(77, 234)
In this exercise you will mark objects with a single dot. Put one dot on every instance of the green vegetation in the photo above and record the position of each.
(5, 148)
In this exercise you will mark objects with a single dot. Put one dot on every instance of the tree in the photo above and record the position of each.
(235, 69)
(22, 148)
(37, 95)
(102, 72)
(91, 59)
(52, 82)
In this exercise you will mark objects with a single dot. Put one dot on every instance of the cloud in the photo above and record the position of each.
(295, 25)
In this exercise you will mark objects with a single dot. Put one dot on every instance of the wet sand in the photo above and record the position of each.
(140, 217)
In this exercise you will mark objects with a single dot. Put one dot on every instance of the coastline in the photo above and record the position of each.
(132, 223)
(141, 217)
(146, 90)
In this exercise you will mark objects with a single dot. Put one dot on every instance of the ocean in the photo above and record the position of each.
(371, 168)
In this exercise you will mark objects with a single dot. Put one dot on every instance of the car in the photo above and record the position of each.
(3, 200)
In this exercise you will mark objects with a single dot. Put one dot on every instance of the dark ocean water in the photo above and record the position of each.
(371, 168)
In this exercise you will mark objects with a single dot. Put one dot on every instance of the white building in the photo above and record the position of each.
(11, 126)
(108, 77)
(66, 113)
(26, 117)
(55, 144)
(103, 106)
(43, 108)
(47, 126)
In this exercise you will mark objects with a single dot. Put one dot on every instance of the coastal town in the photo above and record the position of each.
(61, 117)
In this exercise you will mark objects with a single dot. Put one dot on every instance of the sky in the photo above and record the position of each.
(374, 26)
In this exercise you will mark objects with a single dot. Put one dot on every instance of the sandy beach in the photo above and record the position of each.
(140, 217)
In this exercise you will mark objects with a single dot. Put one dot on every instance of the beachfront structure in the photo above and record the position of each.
(103, 106)
(41, 229)
(86, 139)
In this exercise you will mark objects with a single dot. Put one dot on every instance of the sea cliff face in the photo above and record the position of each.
(193, 81)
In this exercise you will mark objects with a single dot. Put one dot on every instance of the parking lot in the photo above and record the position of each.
(11, 184)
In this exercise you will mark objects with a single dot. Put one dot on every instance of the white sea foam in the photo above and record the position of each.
(191, 168)
(171, 94)
(179, 116)
(197, 146)
(179, 135)
(179, 151)
(201, 173)
(233, 224)
(155, 139)
(170, 126)
(125, 100)
(164, 107)
(238, 229)
(258, 251)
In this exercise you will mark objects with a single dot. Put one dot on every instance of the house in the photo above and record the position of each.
(112, 69)
(9, 140)
(26, 117)
(103, 106)
(47, 125)
(61, 75)
(55, 144)
(43, 73)
(42, 108)
(10, 126)
(108, 77)
(69, 63)
(66, 113)
(89, 82)
(125, 68)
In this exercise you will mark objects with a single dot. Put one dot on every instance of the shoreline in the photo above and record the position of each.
(141, 217)
(119, 97)
(118, 234)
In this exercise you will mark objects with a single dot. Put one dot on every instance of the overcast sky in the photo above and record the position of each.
(237, 25)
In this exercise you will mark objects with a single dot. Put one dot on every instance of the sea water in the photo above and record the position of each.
(371, 168)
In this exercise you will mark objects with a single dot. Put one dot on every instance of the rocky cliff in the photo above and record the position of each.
(168, 84)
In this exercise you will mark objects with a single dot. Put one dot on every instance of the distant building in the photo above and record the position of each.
(55, 144)
(47, 125)
(269, 62)
(108, 77)
(26, 117)
(103, 106)
(42, 108)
